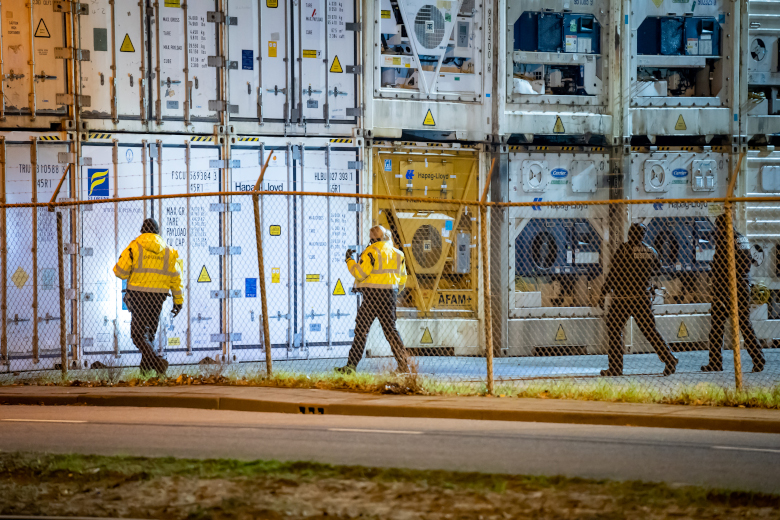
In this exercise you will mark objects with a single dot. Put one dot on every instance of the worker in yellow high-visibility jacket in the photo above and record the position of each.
(152, 270)
(379, 275)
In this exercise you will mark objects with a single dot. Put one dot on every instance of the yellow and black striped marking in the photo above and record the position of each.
(99, 136)
(348, 141)
(49, 138)
(248, 139)
(201, 139)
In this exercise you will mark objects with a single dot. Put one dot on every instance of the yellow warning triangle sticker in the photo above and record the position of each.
(558, 128)
(339, 290)
(127, 45)
(426, 337)
(682, 332)
(42, 31)
(336, 65)
(204, 276)
(560, 335)
(428, 121)
(658, 2)
(680, 124)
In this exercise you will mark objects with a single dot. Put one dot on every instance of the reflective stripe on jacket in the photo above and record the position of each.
(149, 265)
(381, 266)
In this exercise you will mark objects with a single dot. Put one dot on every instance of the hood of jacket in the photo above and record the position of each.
(151, 242)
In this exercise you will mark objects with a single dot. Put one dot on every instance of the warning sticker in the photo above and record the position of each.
(336, 65)
(172, 3)
(385, 14)
(657, 3)
(275, 231)
(273, 4)
(42, 31)
(339, 289)
(308, 53)
(272, 49)
(560, 335)
(680, 124)
(426, 337)
(428, 121)
(682, 332)
(312, 278)
(204, 276)
(558, 128)
(174, 342)
(20, 277)
(276, 276)
(127, 45)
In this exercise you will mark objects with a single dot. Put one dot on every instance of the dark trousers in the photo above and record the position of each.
(641, 309)
(719, 314)
(146, 309)
(377, 303)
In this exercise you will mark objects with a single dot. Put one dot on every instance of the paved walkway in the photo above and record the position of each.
(329, 402)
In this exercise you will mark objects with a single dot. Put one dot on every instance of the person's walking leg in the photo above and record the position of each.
(387, 318)
(645, 319)
(363, 321)
(745, 325)
(616, 322)
(718, 315)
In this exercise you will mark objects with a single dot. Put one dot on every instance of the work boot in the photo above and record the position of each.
(712, 367)
(162, 366)
(611, 372)
(671, 367)
(347, 369)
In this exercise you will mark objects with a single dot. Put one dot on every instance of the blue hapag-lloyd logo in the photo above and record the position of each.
(680, 172)
(410, 174)
(559, 173)
(537, 208)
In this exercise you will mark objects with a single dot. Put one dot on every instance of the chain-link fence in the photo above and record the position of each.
(635, 295)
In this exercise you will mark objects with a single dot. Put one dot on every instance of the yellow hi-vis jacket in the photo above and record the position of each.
(381, 266)
(149, 265)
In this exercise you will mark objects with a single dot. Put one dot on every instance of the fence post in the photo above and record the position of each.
(261, 280)
(61, 269)
(731, 262)
(261, 267)
(488, 302)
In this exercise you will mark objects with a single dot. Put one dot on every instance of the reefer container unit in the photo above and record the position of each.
(438, 309)
(681, 69)
(760, 223)
(193, 67)
(556, 254)
(31, 169)
(681, 232)
(560, 70)
(429, 68)
(36, 85)
(761, 113)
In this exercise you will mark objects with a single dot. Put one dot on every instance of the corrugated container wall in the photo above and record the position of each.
(761, 68)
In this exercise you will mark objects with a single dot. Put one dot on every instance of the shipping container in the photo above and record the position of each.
(190, 67)
(311, 309)
(30, 287)
(681, 232)
(556, 256)
(439, 307)
(681, 69)
(429, 69)
(35, 77)
(759, 222)
(761, 115)
(560, 70)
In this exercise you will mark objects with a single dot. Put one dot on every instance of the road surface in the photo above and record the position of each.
(712, 458)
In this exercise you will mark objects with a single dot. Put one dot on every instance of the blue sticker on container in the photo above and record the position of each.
(314, 327)
(247, 60)
(250, 288)
(448, 225)
(388, 165)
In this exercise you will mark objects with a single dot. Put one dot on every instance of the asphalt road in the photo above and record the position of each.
(712, 458)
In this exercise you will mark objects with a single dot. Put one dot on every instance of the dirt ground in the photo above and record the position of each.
(92, 487)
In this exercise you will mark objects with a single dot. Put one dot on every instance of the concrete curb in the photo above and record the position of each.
(212, 402)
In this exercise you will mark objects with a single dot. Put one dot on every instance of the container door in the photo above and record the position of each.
(194, 228)
(106, 230)
(328, 227)
(184, 41)
(97, 36)
(246, 311)
(33, 276)
(32, 76)
(243, 59)
(324, 79)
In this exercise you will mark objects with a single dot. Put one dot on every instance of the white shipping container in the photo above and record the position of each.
(32, 75)
(760, 70)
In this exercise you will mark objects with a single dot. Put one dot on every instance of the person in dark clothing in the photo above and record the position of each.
(633, 265)
(152, 270)
(721, 302)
